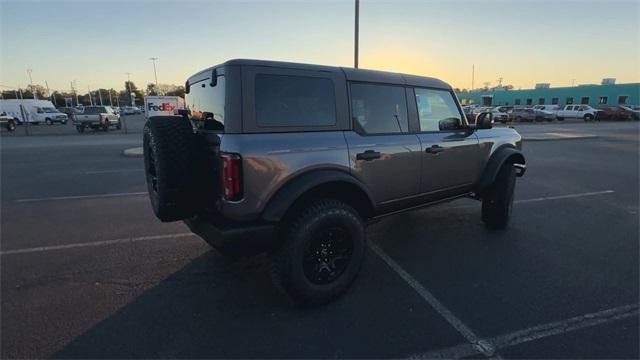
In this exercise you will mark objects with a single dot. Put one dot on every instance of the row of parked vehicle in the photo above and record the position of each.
(507, 113)
(15, 112)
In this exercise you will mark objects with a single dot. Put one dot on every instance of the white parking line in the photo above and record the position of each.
(537, 332)
(568, 196)
(95, 243)
(479, 345)
(78, 197)
(111, 171)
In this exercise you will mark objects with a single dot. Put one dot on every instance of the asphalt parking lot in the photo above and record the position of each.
(89, 272)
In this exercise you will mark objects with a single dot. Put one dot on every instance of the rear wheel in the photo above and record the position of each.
(559, 118)
(588, 117)
(168, 143)
(11, 125)
(497, 202)
(48, 121)
(321, 254)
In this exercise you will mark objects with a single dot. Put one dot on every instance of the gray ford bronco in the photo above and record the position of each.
(297, 159)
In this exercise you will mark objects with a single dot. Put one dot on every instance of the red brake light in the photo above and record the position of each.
(231, 176)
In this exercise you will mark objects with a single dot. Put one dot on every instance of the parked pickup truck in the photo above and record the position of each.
(585, 112)
(97, 118)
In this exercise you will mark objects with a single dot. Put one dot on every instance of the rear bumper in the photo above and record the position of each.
(254, 236)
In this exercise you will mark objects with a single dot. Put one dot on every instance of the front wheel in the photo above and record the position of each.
(11, 125)
(321, 254)
(497, 202)
(48, 122)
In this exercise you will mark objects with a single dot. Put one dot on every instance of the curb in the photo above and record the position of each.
(133, 152)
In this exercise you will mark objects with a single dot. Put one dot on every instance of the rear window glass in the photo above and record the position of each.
(294, 101)
(206, 103)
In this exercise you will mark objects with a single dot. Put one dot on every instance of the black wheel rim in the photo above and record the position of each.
(327, 255)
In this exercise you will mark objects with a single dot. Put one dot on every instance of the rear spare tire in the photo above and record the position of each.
(168, 144)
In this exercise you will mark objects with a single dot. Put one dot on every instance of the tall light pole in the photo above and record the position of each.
(129, 86)
(33, 91)
(357, 31)
(155, 73)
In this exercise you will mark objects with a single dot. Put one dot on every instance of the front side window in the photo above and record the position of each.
(437, 110)
(379, 109)
(206, 102)
(286, 101)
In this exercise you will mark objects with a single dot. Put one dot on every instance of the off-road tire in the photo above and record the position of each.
(497, 201)
(288, 270)
(168, 144)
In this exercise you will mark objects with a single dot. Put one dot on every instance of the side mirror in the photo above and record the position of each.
(484, 120)
(450, 124)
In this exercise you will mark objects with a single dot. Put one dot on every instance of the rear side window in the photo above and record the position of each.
(436, 109)
(294, 101)
(206, 103)
(379, 109)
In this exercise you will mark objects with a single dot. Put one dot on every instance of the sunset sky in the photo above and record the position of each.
(524, 42)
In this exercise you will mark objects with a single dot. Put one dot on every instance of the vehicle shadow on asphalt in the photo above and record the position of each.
(214, 307)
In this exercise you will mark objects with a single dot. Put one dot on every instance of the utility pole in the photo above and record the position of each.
(357, 35)
(90, 98)
(49, 92)
(573, 81)
(33, 90)
(473, 75)
(100, 95)
(110, 99)
(155, 73)
(129, 86)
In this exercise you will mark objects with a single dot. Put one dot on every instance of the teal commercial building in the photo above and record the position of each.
(594, 95)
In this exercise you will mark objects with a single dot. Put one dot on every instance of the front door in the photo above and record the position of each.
(382, 153)
(451, 159)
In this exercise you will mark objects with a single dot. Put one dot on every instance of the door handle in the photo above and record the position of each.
(368, 155)
(434, 149)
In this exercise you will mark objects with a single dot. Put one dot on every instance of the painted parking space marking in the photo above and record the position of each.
(95, 243)
(544, 198)
(81, 197)
(475, 342)
(111, 171)
(536, 332)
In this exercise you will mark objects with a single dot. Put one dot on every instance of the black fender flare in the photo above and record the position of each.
(279, 203)
(500, 157)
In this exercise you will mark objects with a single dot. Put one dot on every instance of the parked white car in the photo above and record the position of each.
(546, 112)
(585, 112)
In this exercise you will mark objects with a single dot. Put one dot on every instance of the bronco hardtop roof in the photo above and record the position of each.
(350, 74)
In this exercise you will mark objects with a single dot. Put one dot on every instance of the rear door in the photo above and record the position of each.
(451, 159)
(383, 154)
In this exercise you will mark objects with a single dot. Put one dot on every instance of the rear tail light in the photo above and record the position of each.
(231, 176)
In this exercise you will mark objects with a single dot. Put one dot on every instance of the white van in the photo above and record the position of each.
(33, 111)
